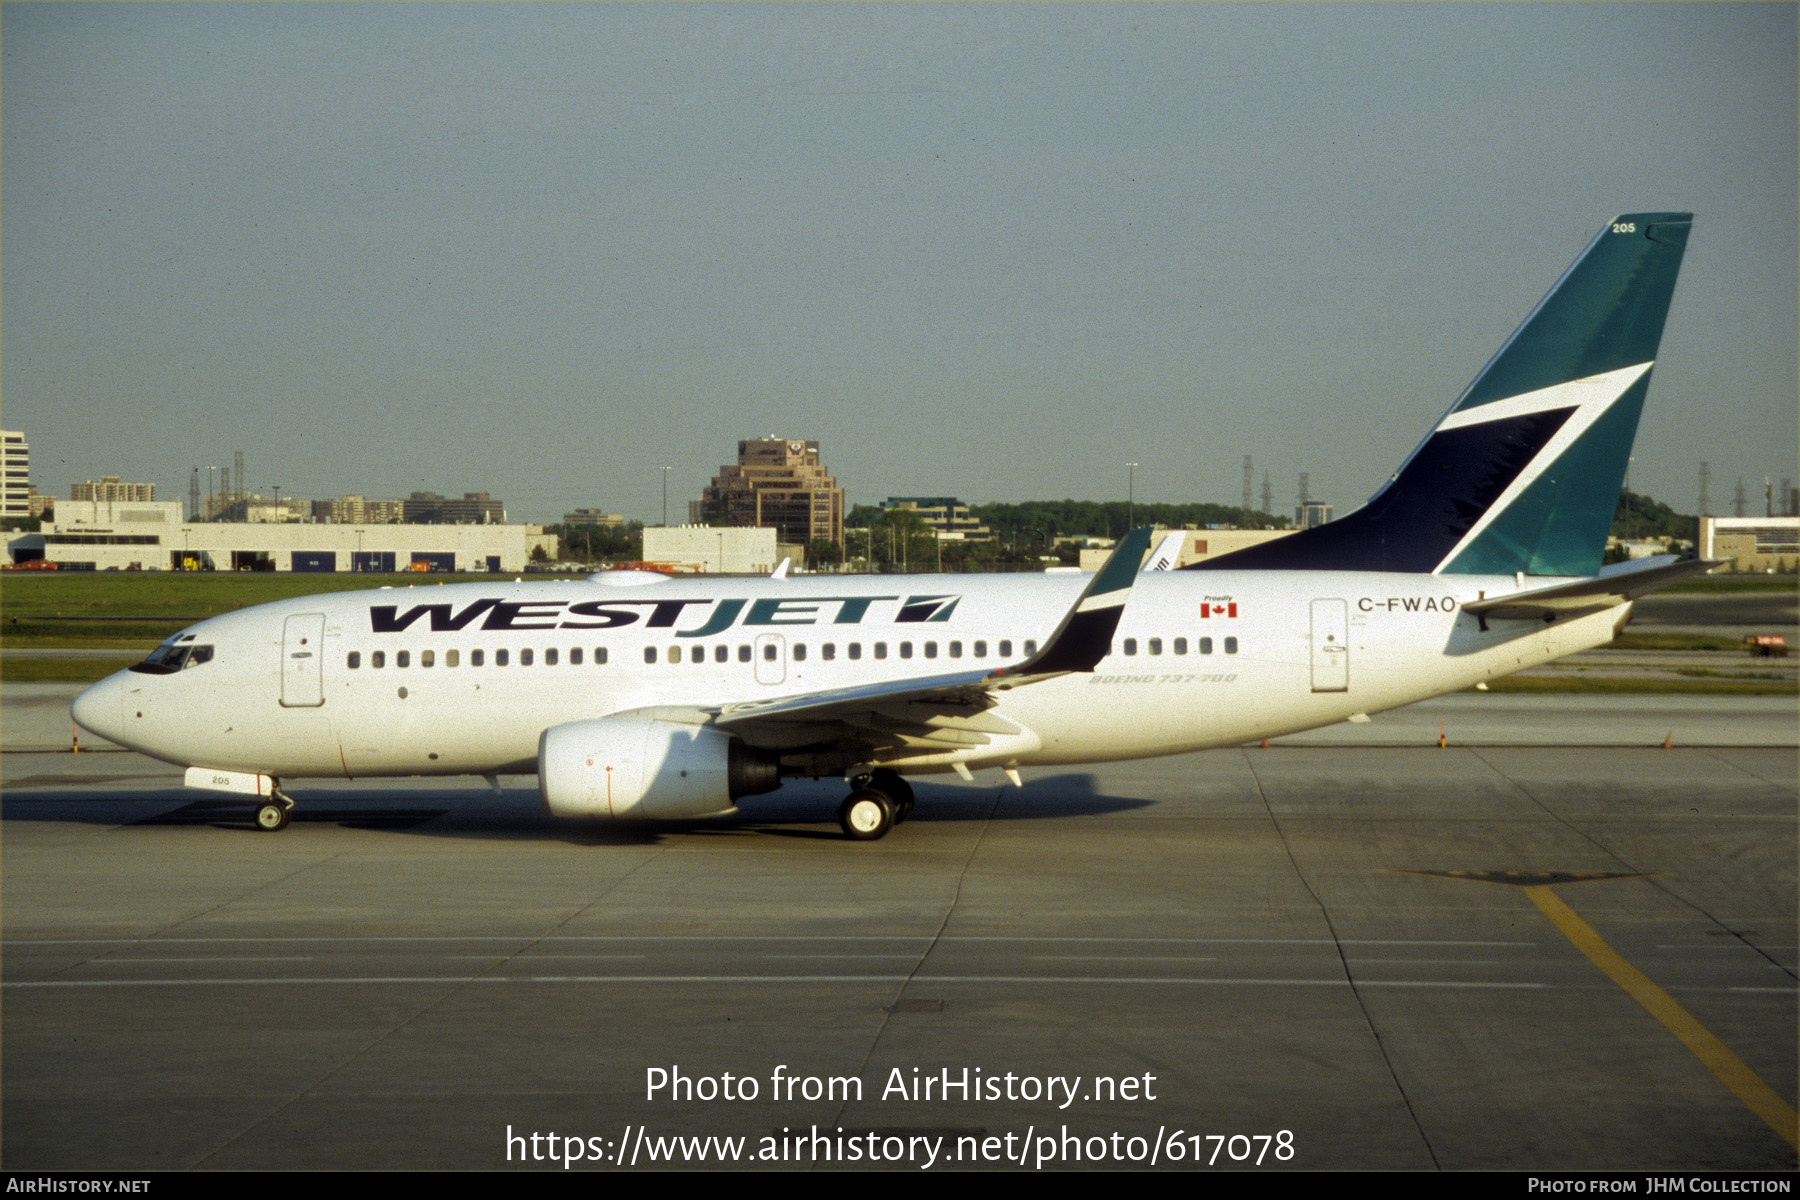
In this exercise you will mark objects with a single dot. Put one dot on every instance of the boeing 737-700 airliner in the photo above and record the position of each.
(634, 694)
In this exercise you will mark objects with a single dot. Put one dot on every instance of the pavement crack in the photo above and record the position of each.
(1337, 943)
(1646, 874)
(937, 935)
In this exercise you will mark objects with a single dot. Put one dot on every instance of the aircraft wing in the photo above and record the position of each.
(1615, 585)
(947, 709)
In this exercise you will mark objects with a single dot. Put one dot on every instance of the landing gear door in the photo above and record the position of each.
(1330, 645)
(302, 661)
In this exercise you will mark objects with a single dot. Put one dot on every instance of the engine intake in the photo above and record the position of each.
(645, 767)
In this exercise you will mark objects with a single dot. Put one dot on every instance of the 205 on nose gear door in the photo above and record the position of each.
(302, 661)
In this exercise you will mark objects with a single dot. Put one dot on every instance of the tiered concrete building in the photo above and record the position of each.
(777, 483)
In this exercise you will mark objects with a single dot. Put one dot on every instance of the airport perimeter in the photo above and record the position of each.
(1359, 954)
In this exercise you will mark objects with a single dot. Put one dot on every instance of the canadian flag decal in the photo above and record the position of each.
(1223, 608)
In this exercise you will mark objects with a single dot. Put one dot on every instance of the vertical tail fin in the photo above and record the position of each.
(1523, 473)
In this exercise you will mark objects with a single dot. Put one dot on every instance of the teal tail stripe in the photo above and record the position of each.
(1559, 524)
(1606, 312)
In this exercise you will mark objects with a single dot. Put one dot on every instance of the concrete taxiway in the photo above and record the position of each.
(1378, 949)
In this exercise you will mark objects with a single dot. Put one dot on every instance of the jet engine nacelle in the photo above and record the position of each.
(645, 767)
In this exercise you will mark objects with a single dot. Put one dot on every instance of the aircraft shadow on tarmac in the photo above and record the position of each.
(800, 810)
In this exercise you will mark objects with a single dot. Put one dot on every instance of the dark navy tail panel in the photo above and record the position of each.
(1523, 473)
(1420, 517)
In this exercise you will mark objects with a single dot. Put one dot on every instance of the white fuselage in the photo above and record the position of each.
(1200, 659)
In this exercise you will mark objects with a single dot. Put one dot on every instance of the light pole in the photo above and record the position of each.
(277, 488)
(665, 471)
(1130, 494)
(1628, 461)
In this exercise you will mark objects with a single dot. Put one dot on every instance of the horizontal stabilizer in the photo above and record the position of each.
(1614, 586)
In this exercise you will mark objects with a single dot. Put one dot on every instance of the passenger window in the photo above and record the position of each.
(1156, 645)
(1181, 645)
(452, 657)
(599, 656)
(955, 649)
(574, 656)
(930, 649)
(905, 649)
(799, 651)
(828, 651)
(500, 657)
(403, 658)
(378, 659)
(855, 649)
(1206, 645)
(550, 656)
(721, 653)
(1006, 648)
(1030, 647)
(649, 654)
(674, 654)
(980, 649)
(354, 660)
(1231, 645)
(525, 657)
(1131, 645)
(743, 654)
(427, 658)
(477, 657)
(769, 652)
(880, 649)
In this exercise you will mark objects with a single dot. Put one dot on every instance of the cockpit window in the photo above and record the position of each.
(176, 654)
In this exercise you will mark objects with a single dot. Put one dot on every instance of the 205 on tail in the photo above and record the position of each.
(633, 695)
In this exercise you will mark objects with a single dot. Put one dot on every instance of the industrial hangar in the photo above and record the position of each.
(152, 536)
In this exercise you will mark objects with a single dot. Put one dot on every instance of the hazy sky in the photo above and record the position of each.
(992, 251)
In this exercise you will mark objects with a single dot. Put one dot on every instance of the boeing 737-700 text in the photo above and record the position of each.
(633, 694)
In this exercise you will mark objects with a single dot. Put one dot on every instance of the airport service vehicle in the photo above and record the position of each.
(633, 694)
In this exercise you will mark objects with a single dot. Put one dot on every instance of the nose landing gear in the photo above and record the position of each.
(272, 815)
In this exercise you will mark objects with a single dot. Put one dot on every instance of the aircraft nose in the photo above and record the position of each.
(101, 708)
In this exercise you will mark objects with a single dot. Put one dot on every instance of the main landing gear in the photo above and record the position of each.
(878, 801)
(272, 815)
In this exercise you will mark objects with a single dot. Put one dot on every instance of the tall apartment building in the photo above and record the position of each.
(475, 508)
(356, 510)
(15, 473)
(777, 483)
(110, 490)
